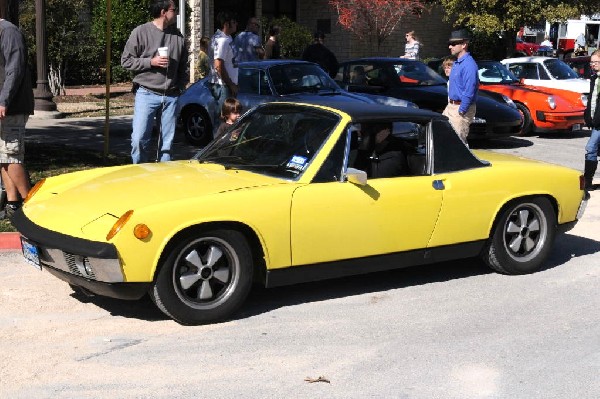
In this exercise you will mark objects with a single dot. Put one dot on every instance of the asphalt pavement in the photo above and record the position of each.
(93, 132)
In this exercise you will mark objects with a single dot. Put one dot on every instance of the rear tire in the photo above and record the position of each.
(205, 278)
(522, 237)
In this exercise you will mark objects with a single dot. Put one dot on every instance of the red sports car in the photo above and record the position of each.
(526, 48)
(543, 109)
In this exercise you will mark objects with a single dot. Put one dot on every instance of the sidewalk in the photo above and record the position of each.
(88, 133)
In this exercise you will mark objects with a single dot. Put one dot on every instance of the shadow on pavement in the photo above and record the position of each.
(262, 300)
(89, 133)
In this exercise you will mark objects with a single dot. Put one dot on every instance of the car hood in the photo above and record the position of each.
(88, 195)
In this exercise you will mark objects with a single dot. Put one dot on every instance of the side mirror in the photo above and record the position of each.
(355, 176)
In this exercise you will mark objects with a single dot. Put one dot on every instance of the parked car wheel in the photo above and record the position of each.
(522, 238)
(196, 124)
(527, 120)
(205, 277)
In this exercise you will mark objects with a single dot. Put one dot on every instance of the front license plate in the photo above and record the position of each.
(31, 253)
(576, 127)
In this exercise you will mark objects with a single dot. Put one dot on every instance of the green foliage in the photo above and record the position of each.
(506, 17)
(293, 38)
(76, 36)
(125, 16)
(67, 39)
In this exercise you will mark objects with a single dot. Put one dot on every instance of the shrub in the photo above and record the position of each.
(293, 38)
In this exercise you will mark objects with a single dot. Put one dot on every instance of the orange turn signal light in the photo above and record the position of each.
(34, 190)
(119, 224)
(141, 231)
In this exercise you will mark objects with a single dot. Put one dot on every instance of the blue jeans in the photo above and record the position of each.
(591, 148)
(220, 93)
(146, 106)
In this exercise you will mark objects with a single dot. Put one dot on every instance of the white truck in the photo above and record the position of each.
(566, 34)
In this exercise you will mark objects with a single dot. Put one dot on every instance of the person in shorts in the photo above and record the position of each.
(16, 104)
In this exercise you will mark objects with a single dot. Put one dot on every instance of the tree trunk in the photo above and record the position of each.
(510, 42)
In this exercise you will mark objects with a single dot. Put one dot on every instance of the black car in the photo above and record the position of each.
(414, 81)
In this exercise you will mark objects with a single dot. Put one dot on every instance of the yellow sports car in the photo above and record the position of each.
(295, 193)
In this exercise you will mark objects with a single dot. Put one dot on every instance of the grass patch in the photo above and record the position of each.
(46, 160)
(77, 106)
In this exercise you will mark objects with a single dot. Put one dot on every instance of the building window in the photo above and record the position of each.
(279, 8)
(324, 25)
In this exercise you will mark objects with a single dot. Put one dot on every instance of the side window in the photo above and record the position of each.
(542, 72)
(358, 74)
(264, 88)
(388, 149)
(530, 71)
(339, 76)
(248, 81)
(379, 76)
(517, 70)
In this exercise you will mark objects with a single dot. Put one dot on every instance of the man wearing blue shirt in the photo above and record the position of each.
(462, 85)
(247, 43)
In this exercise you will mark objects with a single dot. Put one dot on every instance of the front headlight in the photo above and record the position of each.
(551, 102)
(509, 101)
(584, 100)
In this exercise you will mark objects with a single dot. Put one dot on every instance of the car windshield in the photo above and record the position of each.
(495, 73)
(417, 73)
(279, 141)
(301, 78)
(559, 70)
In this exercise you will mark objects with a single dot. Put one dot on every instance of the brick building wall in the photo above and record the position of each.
(430, 29)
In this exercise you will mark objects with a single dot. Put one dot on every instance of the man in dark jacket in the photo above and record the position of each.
(592, 119)
(319, 54)
(16, 104)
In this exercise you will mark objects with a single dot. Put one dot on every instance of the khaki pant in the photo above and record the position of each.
(460, 123)
(12, 129)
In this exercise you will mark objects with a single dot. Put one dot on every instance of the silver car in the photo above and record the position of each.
(267, 81)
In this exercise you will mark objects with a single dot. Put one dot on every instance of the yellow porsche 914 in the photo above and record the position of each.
(295, 193)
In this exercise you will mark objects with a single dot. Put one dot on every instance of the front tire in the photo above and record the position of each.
(196, 125)
(205, 278)
(522, 237)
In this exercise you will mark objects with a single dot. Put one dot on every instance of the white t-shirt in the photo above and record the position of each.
(221, 47)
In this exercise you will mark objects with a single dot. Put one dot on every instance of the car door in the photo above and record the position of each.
(254, 87)
(338, 220)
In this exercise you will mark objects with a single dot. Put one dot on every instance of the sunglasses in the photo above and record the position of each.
(456, 43)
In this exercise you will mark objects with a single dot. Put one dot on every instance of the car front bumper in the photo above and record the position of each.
(557, 120)
(92, 265)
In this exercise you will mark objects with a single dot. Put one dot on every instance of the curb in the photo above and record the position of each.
(10, 241)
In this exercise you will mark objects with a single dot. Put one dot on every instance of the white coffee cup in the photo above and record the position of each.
(163, 51)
